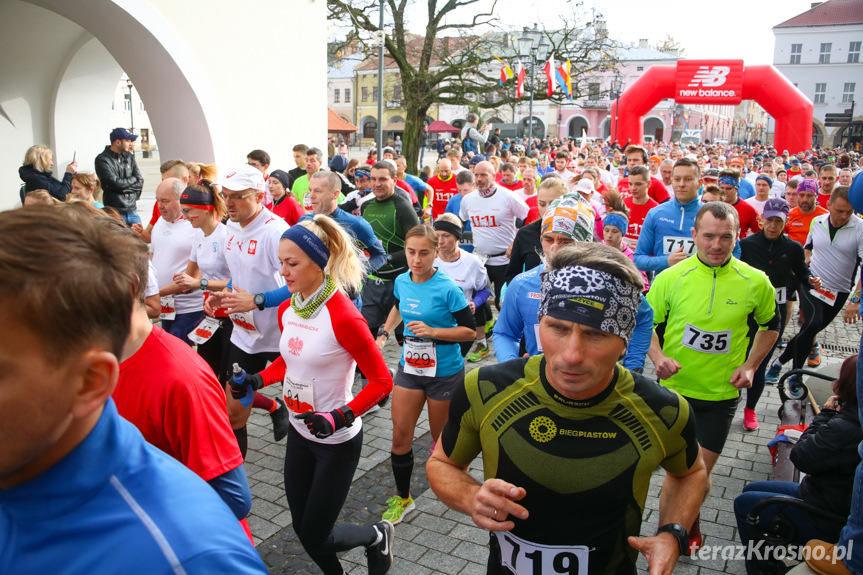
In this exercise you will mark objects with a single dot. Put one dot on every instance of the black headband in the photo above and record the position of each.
(448, 227)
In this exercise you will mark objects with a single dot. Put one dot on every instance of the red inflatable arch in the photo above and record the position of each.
(720, 82)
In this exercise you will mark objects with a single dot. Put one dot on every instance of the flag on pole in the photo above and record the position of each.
(505, 71)
(562, 77)
(519, 79)
(686, 120)
(550, 74)
(569, 80)
(583, 138)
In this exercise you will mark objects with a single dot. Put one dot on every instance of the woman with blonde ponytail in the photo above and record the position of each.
(323, 339)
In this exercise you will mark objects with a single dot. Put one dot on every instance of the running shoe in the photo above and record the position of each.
(489, 326)
(750, 419)
(479, 351)
(814, 359)
(773, 373)
(380, 555)
(281, 420)
(696, 539)
(398, 507)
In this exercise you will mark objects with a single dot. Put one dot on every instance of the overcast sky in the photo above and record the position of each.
(740, 29)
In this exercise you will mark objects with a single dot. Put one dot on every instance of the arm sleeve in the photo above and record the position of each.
(275, 372)
(519, 208)
(137, 179)
(480, 297)
(736, 251)
(233, 487)
(656, 300)
(644, 258)
(464, 318)
(681, 459)
(276, 297)
(460, 436)
(509, 327)
(639, 343)
(352, 332)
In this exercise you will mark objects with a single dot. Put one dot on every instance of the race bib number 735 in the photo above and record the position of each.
(706, 341)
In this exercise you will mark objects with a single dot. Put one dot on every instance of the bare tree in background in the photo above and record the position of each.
(453, 62)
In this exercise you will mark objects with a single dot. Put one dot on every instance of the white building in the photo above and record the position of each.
(341, 87)
(819, 51)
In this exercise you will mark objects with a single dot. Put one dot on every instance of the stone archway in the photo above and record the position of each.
(577, 126)
(654, 127)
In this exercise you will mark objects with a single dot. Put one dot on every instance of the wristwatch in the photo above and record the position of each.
(678, 531)
(383, 332)
(204, 283)
(259, 301)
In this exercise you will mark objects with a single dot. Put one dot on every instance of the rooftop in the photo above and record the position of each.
(830, 13)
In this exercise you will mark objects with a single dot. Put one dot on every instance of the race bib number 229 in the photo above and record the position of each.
(705, 341)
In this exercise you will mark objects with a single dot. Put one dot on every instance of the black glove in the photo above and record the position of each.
(322, 424)
(241, 382)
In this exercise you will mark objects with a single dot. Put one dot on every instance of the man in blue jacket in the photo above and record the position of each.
(666, 235)
(518, 315)
(80, 490)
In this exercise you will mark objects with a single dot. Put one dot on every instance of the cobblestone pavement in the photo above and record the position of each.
(436, 540)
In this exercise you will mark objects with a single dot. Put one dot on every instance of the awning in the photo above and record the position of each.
(338, 125)
(441, 127)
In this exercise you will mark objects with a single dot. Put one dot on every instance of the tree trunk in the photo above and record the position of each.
(413, 136)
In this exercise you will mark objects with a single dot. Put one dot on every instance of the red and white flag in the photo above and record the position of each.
(519, 79)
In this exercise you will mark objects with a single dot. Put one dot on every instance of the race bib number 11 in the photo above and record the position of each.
(706, 341)
(526, 558)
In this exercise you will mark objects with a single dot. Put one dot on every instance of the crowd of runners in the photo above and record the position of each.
(571, 264)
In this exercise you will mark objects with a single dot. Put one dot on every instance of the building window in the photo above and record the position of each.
(375, 94)
(336, 95)
(593, 91)
(369, 130)
(820, 93)
(824, 57)
(397, 92)
(347, 95)
(796, 53)
(365, 94)
(127, 102)
(848, 92)
(853, 52)
(639, 68)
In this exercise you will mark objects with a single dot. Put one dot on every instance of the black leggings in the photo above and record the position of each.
(816, 316)
(317, 479)
(753, 394)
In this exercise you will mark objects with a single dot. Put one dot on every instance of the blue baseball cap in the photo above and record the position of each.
(122, 134)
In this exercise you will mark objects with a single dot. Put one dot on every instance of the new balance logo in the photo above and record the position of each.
(710, 77)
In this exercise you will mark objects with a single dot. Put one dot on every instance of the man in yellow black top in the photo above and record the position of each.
(702, 305)
(569, 438)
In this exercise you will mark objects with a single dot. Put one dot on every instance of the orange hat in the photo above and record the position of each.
(736, 161)
(655, 159)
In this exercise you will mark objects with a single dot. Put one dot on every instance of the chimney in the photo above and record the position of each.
(642, 43)
(601, 29)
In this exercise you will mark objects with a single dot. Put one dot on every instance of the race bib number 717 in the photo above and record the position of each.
(706, 341)
(672, 244)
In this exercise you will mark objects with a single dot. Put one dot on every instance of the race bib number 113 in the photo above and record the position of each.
(706, 341)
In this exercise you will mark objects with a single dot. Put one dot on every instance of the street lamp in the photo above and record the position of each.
(533, 47)
(131, 111)
(616, 88)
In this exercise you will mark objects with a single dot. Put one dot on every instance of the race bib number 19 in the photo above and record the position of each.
(706, 341)
(526, 558)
